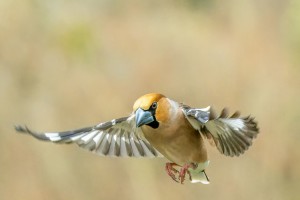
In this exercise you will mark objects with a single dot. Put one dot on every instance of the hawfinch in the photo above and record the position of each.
(159, 126)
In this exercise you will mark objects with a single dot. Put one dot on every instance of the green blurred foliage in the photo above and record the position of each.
(291, 31)
(76, 40)
(70, 64)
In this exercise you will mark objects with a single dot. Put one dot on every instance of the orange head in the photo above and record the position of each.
(151, 109)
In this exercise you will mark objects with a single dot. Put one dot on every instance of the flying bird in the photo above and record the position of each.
(161, 127)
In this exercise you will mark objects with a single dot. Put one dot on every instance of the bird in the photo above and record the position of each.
(162, 127)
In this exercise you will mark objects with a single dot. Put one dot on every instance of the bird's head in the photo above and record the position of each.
(150, 109)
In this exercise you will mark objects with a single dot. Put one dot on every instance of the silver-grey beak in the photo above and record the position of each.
(143, 117)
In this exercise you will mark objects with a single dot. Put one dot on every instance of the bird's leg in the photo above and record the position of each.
(185, 170)
(171, 171)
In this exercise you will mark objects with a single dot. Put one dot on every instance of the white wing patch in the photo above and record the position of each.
(53, 136)
(234, 123)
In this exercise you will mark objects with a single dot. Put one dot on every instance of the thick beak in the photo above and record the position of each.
(143, 117)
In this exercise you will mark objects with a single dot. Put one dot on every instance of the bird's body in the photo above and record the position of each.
(176, 139)
(160, 126)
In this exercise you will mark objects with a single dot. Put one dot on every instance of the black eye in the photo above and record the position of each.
(154, 105)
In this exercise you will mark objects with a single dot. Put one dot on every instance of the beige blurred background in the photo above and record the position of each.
(71, 64)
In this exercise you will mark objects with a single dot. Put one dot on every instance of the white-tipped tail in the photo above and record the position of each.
(198, 175)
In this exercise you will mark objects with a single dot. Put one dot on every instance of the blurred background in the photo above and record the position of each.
(71, 64)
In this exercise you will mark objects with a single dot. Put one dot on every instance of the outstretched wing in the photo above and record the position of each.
(118, 137)
(232, 135)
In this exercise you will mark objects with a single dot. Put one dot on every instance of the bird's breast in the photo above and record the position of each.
(177, 140)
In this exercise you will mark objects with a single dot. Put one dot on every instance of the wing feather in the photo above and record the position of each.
(118, 137)
(232, 135)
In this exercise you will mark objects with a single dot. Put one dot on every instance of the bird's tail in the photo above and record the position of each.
(198, 175)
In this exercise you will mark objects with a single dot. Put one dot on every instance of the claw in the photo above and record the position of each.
(171, 171)
(185, 170)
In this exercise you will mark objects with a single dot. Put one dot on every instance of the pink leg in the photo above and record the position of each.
(171, 171)
(184, 170)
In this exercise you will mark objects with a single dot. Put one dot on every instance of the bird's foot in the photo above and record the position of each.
(171, 171)
(185, 170)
